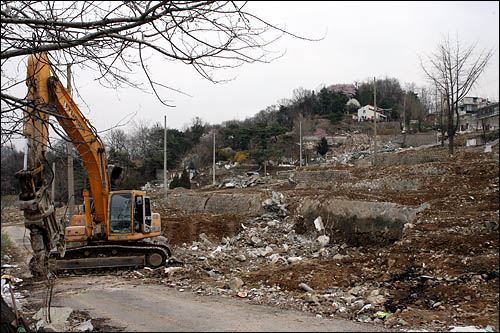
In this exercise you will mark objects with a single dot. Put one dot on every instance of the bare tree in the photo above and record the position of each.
(116, 38)
(425, 98)
(454, 70)
(139, 137)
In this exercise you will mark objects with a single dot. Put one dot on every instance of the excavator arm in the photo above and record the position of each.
(48, 97)
(86, 141)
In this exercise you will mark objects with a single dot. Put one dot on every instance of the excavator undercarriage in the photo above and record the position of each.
(106, 255)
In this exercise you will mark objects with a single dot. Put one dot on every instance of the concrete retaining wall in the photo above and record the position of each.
(358, 221)
(321, 175)
(216, 203)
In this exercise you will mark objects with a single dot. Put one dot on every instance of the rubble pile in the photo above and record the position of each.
(243, 181)
(251, 180)
(442, 272)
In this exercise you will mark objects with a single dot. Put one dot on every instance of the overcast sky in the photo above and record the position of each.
(362, 40)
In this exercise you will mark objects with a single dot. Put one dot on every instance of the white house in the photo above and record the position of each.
(367, 113)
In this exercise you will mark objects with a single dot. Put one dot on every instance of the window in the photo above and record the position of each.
(120, 213)
(147, 207)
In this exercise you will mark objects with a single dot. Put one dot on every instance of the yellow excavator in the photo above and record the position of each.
(117, 228)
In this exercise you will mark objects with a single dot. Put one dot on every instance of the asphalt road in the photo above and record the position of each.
(155, 308)
(135, 307)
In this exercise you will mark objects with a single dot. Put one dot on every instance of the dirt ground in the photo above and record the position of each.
(444, 272)
(182, 228)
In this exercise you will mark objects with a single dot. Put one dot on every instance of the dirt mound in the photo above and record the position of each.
(181, 227)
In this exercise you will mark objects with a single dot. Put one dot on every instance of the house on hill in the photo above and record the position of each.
(367, 113)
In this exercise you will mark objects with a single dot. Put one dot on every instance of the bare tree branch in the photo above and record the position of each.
(113, 38)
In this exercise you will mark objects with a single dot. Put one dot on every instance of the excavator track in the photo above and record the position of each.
(110, 255)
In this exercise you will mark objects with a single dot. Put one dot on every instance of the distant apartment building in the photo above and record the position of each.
(477, 114)
(470, 105)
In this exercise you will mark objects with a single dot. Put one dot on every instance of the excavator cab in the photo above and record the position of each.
(130, 216)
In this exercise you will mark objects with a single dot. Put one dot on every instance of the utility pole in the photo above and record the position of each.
(374, 122)
(404, 121)
(404, 113)
(165, 173)
(300, 144)
(69, 150)
(436, 113)
(213, 171)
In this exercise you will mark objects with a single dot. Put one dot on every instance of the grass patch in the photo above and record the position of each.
(7, 202)
(6, 244)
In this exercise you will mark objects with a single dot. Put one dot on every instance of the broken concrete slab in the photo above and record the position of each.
(318, 223)
(84, 327)
(235, 284)
(305, 287)
(323, 240)
(351, 216)
(58, 315)
(292, 260)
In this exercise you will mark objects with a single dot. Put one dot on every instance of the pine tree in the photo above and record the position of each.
(322, 147)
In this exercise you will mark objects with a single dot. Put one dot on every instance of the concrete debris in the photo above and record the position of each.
(275, 205)
(318, 223)
(40, 324)
(248, 180)
(292, 260)
(58, 315)
(365, 308)
(323, 240)
(206, 241)
(172, 270)
(84, 327)
(471, 329)
(235, 284)
(305, 287)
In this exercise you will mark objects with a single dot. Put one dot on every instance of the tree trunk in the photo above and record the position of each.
(450, 143)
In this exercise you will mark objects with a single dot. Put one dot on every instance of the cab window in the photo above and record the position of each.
(120, 219)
